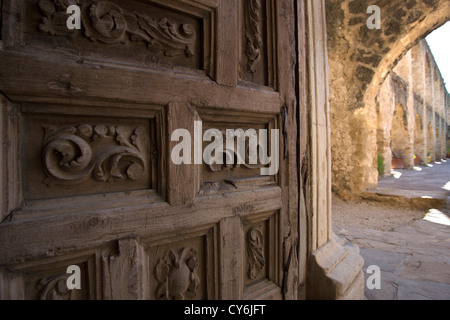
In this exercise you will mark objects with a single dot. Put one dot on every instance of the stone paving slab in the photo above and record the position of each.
(432, 178)
(414, 258)
(421, 188)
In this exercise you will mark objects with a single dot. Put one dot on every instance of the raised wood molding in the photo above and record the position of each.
(181, 116)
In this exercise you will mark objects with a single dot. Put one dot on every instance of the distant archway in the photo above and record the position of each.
(400, 139)
(360, 59)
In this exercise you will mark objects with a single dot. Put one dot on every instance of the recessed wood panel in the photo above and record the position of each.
(257, 46)
(70, 156)
(147, 33)
(234, 175)
(49, 281)
(183, 267)
(261, 262)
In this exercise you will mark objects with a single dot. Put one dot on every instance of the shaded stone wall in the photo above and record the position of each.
(360, 60)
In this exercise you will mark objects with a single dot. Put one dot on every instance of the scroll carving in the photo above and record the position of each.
(233, 157)
(177, 275)
(55, 288)
(106, 22)
(253, 33)
(255, 251)
(229, 154)
(105, 153)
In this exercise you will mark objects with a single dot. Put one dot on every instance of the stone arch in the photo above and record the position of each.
(420, 155)
(360, 59)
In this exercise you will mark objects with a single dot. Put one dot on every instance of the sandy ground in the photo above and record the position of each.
(371, 215)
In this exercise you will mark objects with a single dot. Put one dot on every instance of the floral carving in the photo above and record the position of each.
(253, 33)
(106, 22)
(72, 155)
(55, 288)
(255, 251)
(54, 16)
(177, 275)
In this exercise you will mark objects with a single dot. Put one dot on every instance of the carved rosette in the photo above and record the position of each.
(177, 275)
(55, 288)
(73, 155)
(255, 252)
(108, 23)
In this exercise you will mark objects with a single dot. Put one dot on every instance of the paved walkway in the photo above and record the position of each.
(414, 258)
(422, 187)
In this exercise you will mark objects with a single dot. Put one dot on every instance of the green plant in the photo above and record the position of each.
(380, 160)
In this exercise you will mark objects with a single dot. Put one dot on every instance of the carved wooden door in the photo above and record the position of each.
(87, 175)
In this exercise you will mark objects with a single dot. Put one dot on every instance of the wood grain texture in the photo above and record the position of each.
(131, 241)
(65, 80)
(227, 51)
(183, 180)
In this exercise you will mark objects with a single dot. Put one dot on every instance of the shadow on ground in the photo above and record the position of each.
(409, 243)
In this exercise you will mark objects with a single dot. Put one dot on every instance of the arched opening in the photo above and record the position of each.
(400, 139)
(360, 60)
(420, 156)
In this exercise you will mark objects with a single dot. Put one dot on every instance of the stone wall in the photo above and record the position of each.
(360, 60)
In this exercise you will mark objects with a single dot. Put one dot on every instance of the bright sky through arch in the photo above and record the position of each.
(439, 42)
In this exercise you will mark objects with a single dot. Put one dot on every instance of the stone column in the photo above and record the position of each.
(429, 102)
(418, 79)
(384, 110)
(406, 98)
(334, 271)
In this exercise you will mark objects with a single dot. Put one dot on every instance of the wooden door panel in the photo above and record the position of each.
(184, 266)
(258, 48)
(101, 155)
(166, 33)
(89, 116)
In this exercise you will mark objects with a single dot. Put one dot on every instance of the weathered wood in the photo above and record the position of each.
(184, 179)
(303, 149)
(87, 227)
(124, 280)
(96, 115)
(10, 163)
(231, 268)
(287, 60)
(227, 51)
(72, 83)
